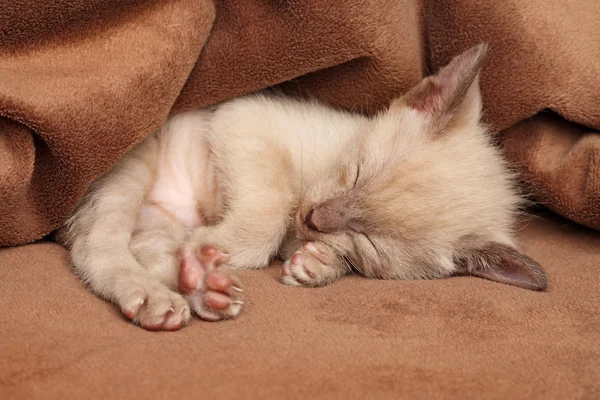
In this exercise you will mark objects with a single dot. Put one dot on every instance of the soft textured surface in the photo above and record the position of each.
(560, 162)
(357, 339)
(81, 81)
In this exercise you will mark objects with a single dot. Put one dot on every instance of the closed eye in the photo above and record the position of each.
(360, 232)
(357, 175)
(372, 243)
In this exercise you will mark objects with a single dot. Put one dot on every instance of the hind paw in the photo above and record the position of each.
(152, 305)
(212, 292)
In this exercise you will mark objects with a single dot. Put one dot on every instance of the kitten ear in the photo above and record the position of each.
(451, 97)
(501, 263)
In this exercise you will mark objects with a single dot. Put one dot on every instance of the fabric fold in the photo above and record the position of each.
(82, 81)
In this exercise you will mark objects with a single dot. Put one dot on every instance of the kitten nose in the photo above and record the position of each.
(308, 219)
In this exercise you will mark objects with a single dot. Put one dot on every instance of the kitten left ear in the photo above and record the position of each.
(501, 263)
(452, 96)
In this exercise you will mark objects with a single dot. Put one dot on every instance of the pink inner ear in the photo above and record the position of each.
(439, 92)
(430, 101)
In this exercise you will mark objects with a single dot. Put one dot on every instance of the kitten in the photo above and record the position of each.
(415, 192)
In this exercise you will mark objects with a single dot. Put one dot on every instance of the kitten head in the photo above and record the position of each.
(424, 193)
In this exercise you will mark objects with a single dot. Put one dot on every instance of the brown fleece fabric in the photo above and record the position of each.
(545, 55)
(82, 81)
(457, 338)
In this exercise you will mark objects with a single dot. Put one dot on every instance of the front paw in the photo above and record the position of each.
(213, 293)
(313, 265)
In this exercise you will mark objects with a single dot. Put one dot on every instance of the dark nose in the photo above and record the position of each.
(308, 219)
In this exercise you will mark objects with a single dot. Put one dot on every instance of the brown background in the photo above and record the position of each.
(81, 81)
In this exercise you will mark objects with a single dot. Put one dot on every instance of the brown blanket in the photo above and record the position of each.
(81, 81)
(459, 338)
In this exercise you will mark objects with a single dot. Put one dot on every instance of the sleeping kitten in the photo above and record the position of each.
(415, 192)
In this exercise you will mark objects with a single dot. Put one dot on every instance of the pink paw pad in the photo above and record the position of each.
(214, 294)
(306, 267)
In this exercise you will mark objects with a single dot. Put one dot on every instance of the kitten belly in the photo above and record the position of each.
(169, 204)
(185, 188)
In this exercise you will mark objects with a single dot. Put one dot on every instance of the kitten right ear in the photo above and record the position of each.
(452, 96)
(501, 263)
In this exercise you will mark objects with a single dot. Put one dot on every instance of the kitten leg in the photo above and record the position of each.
(99, 234)
(251, 230)
(156, 246)
(314, 264)
(213, 293)
(261, 195)
(158, 253)
(138, 288)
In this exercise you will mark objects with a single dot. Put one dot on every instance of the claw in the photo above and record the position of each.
(237, 289)
(240, 302)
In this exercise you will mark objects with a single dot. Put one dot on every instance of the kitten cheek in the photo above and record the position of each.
(355, 226)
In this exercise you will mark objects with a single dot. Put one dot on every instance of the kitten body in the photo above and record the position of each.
(418, 191)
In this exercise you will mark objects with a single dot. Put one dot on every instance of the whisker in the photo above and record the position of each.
(349, 268)
(372, 244)
(355, 266)
(348, 263)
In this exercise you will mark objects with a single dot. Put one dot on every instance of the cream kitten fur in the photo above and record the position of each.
(415, 192)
